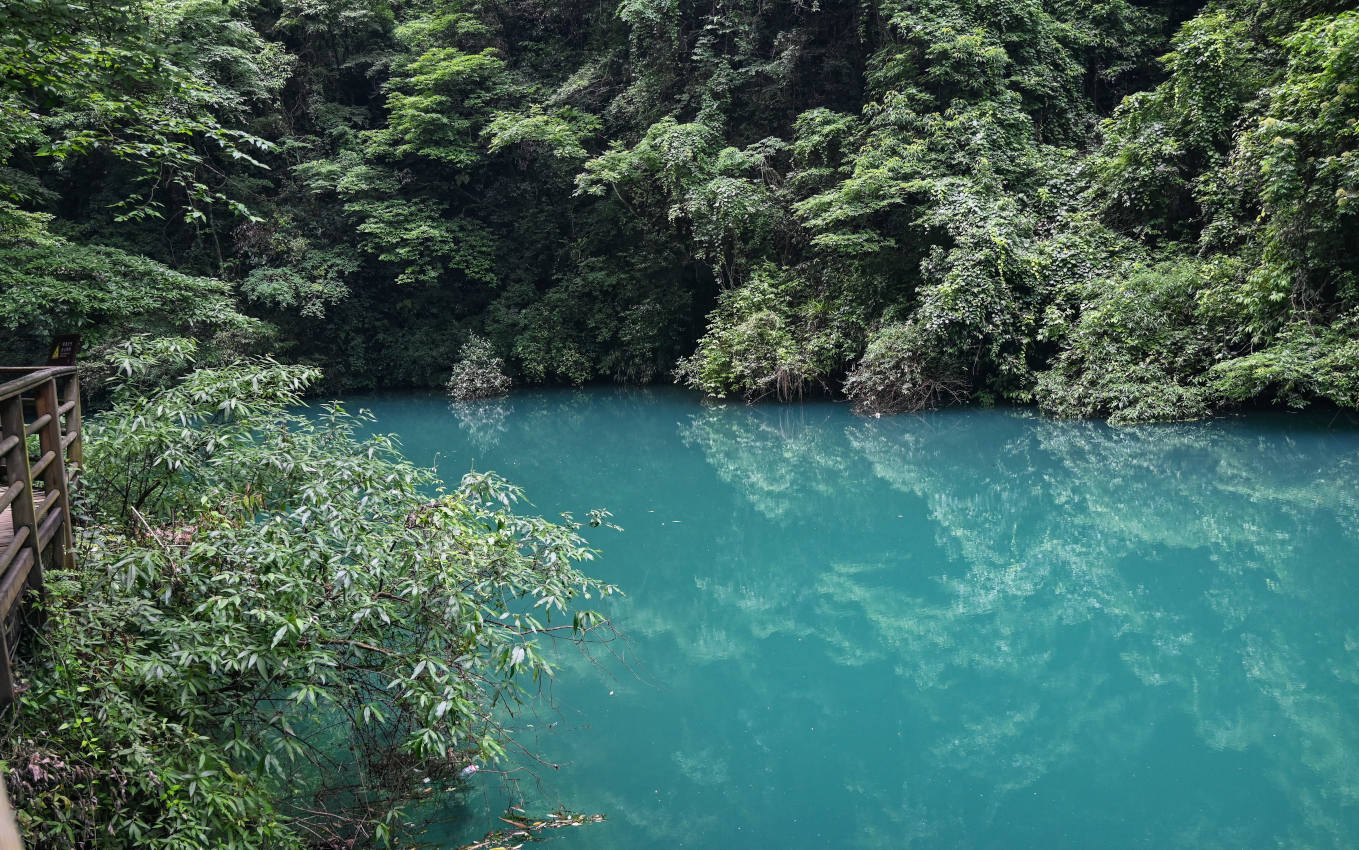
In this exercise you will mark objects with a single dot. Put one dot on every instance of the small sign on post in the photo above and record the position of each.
(65, 347)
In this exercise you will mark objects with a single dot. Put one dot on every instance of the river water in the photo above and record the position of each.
(973, 628)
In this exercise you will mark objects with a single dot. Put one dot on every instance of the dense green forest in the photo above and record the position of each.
(1134, 210)
(1142, 210)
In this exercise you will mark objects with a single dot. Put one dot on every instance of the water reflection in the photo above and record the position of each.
(483, 420)
(974, 628)
(1100, 586)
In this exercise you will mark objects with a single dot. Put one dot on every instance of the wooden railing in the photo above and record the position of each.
(41, 402)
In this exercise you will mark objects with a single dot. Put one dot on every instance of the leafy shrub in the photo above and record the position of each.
(778, 335)
(899, 375)
(275, 637)
(1138, 351)
(479, 373)
(1305, 362)
(55, 286)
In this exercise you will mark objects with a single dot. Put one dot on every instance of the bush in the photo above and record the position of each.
(899, 375)
(779, 334)
(1139, 350)
(275, 637)
(479, 373)
(1305, 362)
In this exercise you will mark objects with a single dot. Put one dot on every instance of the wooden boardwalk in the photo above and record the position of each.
(40, 454)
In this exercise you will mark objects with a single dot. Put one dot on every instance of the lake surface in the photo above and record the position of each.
(974, 628)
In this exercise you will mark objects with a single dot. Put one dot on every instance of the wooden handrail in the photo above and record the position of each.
(14, 548)
(29, 377)
(11, 493)
(54, 523)
(12, 584)
(53, 499)
(37, 424)
(37, 469)
(35, 498)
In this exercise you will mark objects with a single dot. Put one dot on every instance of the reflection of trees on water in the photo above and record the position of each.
(484, 420)
(1205, 572)
(784, 459)
(487, 422)
(987, 605)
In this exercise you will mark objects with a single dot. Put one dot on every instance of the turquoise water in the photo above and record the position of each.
(974, 628)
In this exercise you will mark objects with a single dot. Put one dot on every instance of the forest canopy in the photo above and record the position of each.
(1140, 210)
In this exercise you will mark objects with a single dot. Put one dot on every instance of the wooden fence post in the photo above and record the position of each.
(57, 491)
(73, 439)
